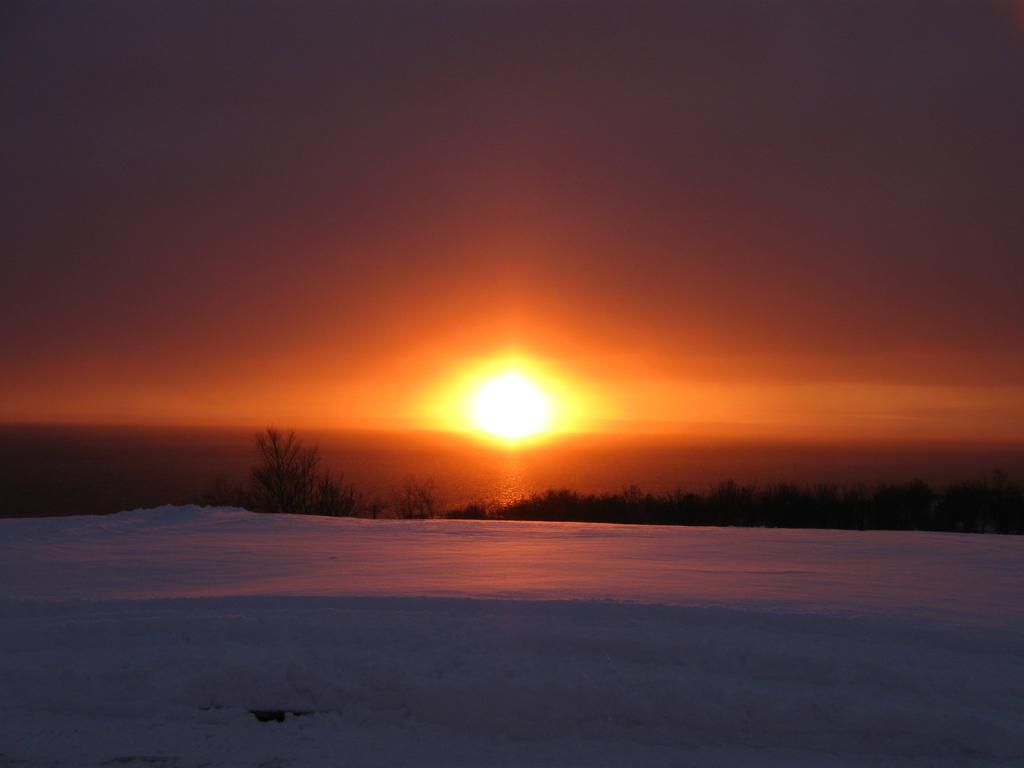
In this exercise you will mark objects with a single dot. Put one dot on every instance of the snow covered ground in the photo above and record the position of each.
(149, 637)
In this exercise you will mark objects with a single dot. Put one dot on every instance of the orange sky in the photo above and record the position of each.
(694, 219)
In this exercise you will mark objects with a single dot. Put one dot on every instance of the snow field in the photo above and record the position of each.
(406, 676)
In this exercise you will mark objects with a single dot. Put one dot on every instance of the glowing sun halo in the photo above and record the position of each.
(511, 406)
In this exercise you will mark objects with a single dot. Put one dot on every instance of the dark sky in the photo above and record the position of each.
(796, 214)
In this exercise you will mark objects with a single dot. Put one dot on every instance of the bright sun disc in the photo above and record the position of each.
(511, 406)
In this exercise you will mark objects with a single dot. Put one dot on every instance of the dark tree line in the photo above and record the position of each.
(288, 477)
(993, 505)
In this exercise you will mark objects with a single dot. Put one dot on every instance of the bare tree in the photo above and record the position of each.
(416, 499)
(334, 498)
(288, 479)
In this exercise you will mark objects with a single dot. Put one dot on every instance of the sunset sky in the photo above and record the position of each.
(722, 217)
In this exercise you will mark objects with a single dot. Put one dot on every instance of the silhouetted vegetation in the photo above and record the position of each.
(993, 505)
(475, 511)
(416, 499)
(287, 478)
(224, 493)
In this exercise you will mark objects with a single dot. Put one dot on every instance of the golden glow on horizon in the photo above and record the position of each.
(511, 399)
(511, 406)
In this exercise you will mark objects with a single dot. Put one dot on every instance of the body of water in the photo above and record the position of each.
(49, 470)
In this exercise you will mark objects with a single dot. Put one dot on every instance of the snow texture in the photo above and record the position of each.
(150, 637)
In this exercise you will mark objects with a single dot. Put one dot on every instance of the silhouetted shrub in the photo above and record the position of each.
(729, 503)
(416, 499)
(374, 508)
(994, 504)
(333, 498)
(474, 511)
(288, 479)
(224, 493)
(902, 507)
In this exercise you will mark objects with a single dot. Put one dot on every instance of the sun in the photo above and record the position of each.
(511, 406)
(510, 399)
